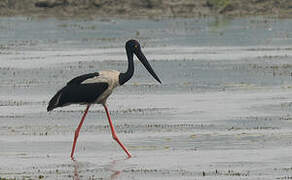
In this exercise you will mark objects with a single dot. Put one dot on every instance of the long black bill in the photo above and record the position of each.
(146, 64)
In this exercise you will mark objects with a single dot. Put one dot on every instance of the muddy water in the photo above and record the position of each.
(223, 109)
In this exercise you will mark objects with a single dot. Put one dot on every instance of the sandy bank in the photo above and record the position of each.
(145, 8)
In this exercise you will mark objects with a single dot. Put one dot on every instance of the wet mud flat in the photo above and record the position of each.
(222, 111)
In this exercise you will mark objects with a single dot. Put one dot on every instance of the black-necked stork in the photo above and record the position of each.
(95, 88)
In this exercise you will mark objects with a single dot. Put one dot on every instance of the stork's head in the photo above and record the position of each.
(134, 47)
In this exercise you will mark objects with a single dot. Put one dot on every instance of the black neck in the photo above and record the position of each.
(124, 77)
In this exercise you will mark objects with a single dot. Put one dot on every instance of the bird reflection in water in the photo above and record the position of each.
(115, 173)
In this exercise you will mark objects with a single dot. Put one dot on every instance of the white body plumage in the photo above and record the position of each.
(111, 77)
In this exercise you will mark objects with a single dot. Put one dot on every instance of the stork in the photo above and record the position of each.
(96, 87)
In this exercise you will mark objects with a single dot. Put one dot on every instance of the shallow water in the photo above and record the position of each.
(223, 109)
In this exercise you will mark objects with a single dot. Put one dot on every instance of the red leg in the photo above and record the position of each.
(115, 137)
(78, 130)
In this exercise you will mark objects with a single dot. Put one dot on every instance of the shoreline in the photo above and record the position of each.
(152, 9)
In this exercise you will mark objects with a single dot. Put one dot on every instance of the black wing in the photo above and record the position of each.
(77, 94)
(80, 79)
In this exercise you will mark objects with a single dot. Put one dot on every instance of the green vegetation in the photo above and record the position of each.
(3, 178)
(219, 5)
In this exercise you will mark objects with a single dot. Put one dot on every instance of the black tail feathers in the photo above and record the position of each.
(54, 102)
